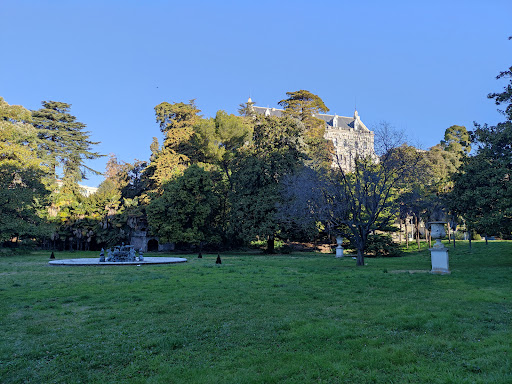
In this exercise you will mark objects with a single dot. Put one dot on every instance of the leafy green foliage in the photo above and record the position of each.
(304, 105)
(483, 188)
(382, 245)
(176, 122)
(188, 209)
(218, 140)
(275, 151)
(63, 140)
(23, 177)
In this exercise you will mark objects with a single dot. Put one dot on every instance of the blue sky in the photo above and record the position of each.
(421, 66)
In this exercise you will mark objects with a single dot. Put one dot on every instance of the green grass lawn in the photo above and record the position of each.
(298, 318)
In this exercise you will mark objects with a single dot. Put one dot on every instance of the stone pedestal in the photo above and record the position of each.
(439, 253)
(339, 248)
(439, 257)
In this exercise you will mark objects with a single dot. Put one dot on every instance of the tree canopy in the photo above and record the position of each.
(483, 190)
(63, 140)
(23, 176)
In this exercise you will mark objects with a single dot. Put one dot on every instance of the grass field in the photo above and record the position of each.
(298, 318)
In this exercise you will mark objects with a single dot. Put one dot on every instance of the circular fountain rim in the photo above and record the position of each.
(95, 262)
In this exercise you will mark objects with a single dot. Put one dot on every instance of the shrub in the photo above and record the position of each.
(475, 236)
(382, 245)
(286, 249)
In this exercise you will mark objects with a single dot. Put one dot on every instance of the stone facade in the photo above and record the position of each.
(147, 243)
(349, 136)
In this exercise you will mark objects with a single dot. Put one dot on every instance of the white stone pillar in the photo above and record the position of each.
(439, 253)
(339, 248)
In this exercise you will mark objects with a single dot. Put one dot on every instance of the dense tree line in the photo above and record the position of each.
(227, 180)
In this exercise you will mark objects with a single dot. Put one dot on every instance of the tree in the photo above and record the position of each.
(63, 141)
(23, 176)
(363, 201)
(457, 140)
(275, 151)
(218, 140)
(304, 105)
(187, 211)
(177, 122)
(483, 190)
(446, 158)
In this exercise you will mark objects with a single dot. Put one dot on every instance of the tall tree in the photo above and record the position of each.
(457, 140)
(23, 176)
(483, 189)
(275, 151)
(63, 141)
(188, 209)
(360, 202)
(177, 122)
(218, 140)
(304, 105)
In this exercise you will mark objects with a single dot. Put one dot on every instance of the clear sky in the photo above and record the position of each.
(421, 66)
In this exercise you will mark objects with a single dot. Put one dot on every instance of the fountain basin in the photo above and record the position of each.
(95, 261)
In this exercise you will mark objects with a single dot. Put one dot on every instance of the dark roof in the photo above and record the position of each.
(343, 122)
(272, 111)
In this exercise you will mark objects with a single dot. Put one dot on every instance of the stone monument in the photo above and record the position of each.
(339, 248)
(120, 254)
(439, 253)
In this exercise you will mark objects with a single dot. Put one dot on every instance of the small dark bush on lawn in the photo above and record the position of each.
(381, 245)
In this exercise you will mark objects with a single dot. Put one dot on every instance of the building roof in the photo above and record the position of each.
(332, 121)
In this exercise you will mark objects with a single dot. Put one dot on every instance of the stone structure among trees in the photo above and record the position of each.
(349, 136)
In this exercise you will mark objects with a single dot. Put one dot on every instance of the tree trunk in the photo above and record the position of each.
(406, 235)
(270, 244)
(400, 236)
(360, 257)
(454, 240)
(427, 234)
(417, 225)
(469, 235)
(486, 243)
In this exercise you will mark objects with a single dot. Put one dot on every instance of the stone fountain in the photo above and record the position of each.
(121, 254)
(118, 256)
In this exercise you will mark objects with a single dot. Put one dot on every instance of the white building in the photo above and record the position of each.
(349, 135)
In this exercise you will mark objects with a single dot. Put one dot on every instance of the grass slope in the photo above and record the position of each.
(259, 319)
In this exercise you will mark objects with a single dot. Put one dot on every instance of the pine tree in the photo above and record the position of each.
(63, 141)
(304, 105)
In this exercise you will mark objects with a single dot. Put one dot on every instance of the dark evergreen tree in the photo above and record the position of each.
(305, 106)
(63, 141)
(276, 150)
(482, 194)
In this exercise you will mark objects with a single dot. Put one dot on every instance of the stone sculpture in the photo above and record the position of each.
(123, 253)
